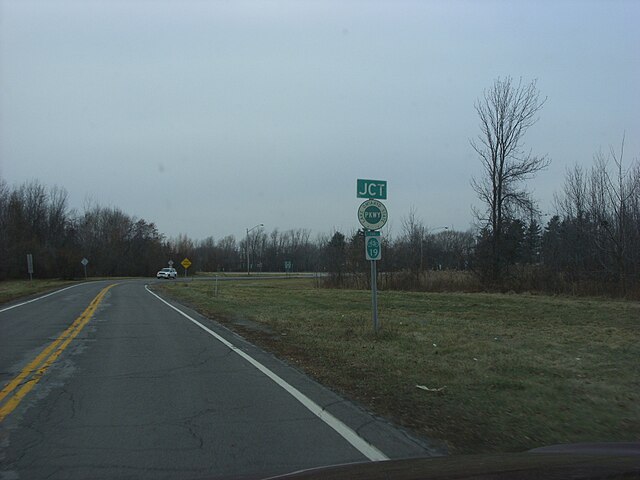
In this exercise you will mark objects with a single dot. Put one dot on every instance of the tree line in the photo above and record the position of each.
(37, 220)
(595, 238)
(590, 245)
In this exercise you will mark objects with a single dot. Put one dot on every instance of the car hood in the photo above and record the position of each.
(575, 461)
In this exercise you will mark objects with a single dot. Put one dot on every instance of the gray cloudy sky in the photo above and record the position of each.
(210, 117)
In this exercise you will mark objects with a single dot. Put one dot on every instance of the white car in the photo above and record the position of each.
(167, 273)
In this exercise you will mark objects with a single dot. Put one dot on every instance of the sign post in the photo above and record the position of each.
(372, 215)
(373, 252)
(186, 263)
(30, 266)
(84, 263)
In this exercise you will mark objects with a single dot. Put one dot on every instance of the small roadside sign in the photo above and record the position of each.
(30, 265)
(376, 189)
(84, 263)
(287, 266)
(372, 215)
(170, 263)
(186, 263)
(373, 245)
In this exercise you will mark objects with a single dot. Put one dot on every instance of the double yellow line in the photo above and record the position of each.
(33, 373)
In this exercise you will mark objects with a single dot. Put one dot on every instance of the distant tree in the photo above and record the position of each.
(551, 243)
(506, 112)
(613, 198)
(335, 253)
(532, 242)
(230, 254)
(206, 255)
(357, 264)
(596, 243)
(412, 245)
(5, 242)
(454, 248)
(513, 242)
(577, 225)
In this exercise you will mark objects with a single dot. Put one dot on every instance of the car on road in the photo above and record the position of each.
(167, 273)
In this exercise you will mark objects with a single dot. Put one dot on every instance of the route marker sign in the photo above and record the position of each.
(373, 245)
(84, 263)
(372, 214)
(376, 189)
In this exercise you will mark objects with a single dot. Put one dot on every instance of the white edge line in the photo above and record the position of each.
(360, 444)
(40, 298)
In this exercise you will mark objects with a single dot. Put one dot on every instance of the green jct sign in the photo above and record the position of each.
(376, 189)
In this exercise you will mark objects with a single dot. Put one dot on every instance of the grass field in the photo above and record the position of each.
(505, 372)
(13, 289)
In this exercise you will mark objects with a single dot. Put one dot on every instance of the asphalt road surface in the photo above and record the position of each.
(104, 381)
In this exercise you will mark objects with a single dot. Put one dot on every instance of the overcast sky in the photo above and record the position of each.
(210, 117)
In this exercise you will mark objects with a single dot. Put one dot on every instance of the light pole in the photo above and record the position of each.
(247, 245)
(429, 232)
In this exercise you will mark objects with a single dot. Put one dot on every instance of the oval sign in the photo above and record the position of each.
(372, 215)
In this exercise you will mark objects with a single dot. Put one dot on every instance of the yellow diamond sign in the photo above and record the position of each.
(186, 263)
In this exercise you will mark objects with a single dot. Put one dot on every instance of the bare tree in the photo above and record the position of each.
(613, 198)
(506, 112)
(412, 244)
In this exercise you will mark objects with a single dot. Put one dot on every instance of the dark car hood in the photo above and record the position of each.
(574, 461)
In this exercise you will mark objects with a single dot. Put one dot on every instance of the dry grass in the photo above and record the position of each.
(517, 371)
(14, 289)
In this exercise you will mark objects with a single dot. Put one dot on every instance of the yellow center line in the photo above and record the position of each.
(57, 347)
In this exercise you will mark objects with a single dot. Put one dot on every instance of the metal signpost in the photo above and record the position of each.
(84, 263)
(186, 263)
(373, 252)
(30, 266)
(372, 215)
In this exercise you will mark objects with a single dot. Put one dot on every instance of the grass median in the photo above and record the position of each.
(478, 372)
(14, 289)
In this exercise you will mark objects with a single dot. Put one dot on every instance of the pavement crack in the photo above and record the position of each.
(328, 405)
(191, 429)
(363, 426)
(67, 395)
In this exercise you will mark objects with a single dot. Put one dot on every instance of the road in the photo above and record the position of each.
(111, 381)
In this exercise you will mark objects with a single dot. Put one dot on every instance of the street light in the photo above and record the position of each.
(429, 232)
(247, 245)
